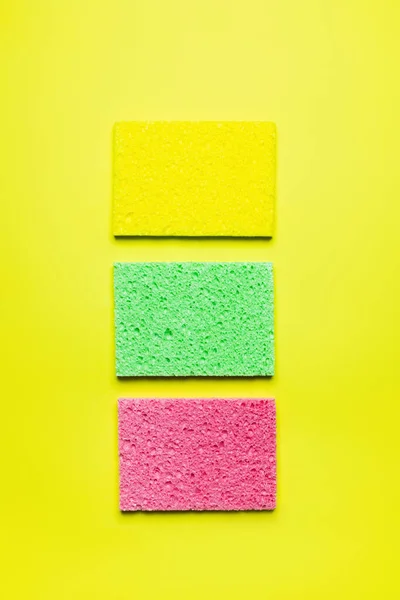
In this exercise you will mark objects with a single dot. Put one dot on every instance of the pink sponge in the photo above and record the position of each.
(197, 454)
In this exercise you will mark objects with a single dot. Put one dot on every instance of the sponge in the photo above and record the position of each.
(197, 454)
(194, 319)
(194, 178)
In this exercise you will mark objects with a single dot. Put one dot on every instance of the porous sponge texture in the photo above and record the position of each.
(194, 178)
(197, 454)
(194, 319)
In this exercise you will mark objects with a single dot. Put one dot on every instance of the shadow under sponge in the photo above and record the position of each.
(197, 454)
(194, 319)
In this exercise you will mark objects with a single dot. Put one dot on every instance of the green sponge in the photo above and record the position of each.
(194, 319)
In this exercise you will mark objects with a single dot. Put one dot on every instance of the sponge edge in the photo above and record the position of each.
(194, 319)
(197, 454)
(184, 178)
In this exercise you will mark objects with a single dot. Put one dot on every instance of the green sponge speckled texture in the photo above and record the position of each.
(205, 319)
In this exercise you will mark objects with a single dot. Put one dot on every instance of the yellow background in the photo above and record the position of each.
(327, 73)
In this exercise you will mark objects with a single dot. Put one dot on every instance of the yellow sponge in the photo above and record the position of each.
(194, 178)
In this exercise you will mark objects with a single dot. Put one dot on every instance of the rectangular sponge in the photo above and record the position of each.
(194, 319)
(197, 454)
(183, 178)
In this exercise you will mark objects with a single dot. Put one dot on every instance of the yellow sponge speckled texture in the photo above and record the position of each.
(194, 178)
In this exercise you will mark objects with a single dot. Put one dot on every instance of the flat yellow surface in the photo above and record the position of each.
(185, 178)
(326, 73)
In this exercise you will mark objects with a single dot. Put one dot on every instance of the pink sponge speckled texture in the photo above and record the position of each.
(197, 454)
